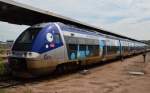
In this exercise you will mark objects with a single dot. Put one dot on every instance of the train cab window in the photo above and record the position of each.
(25, 40)
(28, 36)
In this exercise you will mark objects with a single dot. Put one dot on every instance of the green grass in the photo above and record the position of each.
(2, 68)
(2, 51)
(2, 91)
(1, 59)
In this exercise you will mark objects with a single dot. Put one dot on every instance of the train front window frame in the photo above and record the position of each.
(28, 35)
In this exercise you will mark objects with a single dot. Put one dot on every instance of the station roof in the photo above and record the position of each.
(18, 13)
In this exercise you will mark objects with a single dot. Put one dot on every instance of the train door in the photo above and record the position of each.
(102, 48)
(109, 47)
(58, 39)
(120, 47)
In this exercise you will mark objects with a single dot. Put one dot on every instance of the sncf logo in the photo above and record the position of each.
(49, 37)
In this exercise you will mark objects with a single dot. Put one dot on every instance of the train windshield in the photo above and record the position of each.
(28, 36)
(25, 40)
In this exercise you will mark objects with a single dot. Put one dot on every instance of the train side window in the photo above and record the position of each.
(93, 50)
(112, 47)
(57, 38)
(72, 51)
(82, 51)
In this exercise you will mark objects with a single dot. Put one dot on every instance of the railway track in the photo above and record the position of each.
(9, 81)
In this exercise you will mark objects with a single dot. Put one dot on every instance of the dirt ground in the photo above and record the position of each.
(110, 78)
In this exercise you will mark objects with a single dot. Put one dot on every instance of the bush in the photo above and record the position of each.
(4, 69)
(1, 59)
(2, 91)
(1, 51)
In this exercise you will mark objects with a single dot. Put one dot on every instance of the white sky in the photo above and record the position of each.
(127, 17)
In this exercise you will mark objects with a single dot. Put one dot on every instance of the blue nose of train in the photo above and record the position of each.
(48, 38)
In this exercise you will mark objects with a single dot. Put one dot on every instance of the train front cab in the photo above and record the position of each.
(37, 50)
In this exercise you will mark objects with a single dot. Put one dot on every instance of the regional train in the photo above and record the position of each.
(46, 47)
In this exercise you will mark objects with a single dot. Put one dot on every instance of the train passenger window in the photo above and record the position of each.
(72, 51)
(82, 51)
(93, 50)
(112, 49)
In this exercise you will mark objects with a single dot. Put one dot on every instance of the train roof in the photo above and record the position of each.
(18, 13)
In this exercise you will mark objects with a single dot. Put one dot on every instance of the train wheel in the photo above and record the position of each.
(60, 69)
